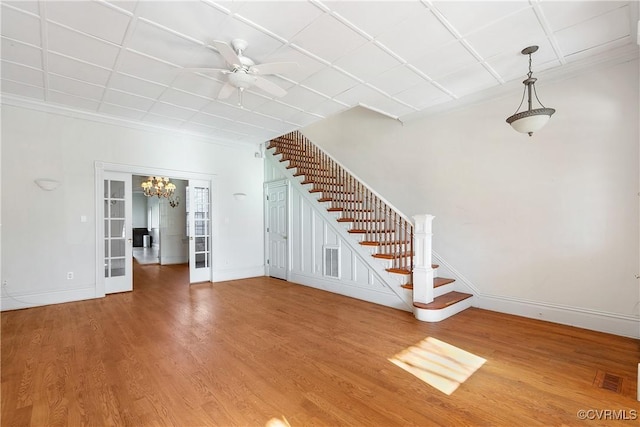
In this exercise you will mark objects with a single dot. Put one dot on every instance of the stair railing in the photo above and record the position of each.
(378, 222)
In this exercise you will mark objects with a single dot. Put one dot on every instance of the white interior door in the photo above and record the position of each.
(118, 239)
(277, 229)
(199, 227)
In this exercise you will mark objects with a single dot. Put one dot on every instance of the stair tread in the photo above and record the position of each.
(337, 209)
(392, 242)
(361, 231)
(443, 301)
(441, 281)
(399, 270)
(393, 255)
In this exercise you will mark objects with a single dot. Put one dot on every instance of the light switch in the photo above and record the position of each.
(83, 218)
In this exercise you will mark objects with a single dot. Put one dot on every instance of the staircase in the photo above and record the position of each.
(388, 235)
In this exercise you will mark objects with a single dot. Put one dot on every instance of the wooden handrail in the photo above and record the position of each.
(370, 215)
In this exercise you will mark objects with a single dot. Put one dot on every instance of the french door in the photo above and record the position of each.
(199, 227)
(117, 232)
(277, 230)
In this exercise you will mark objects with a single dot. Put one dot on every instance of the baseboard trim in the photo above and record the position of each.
(384, 297)
(601, 321)
(19, 301)
(223, 275)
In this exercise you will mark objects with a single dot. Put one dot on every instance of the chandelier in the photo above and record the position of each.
(530, 120)
(158, 186)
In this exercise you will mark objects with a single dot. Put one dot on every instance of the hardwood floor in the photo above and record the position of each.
(247, 351)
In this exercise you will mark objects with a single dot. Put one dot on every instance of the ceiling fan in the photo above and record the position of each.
(243, 73)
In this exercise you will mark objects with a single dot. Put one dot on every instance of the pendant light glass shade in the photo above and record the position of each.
(532, 119)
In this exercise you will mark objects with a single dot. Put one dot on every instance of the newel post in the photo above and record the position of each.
(422, 270)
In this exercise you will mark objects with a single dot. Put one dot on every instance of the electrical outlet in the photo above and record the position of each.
(4, 283)
(70, 275)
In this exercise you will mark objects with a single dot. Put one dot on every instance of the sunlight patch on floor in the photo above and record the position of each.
(277, 422)
(439, 364)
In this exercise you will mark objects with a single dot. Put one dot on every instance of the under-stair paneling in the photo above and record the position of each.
(311, 230)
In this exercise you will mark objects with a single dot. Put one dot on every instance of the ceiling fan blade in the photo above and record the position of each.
(206, 70)
(226, 91)
(269, 87)
(274, 68)
(227, 53)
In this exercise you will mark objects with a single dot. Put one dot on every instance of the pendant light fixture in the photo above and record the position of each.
(530, 120)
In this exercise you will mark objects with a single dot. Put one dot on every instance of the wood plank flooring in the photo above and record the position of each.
(241, 353)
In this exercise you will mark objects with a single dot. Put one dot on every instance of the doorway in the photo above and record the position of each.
(277, 231)
(115, 231)
(160, 224)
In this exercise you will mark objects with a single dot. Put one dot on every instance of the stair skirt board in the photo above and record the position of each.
(351, 290)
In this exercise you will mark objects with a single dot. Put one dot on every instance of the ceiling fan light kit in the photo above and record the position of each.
(531, 119)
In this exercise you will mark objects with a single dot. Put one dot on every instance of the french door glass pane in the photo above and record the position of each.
(201, 228)
(117, 209)
(202, 260)
(117, 228)
(117, 267)
(117, 247)
(201, 244)
(117, 189)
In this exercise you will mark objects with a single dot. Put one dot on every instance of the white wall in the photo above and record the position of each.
(544, 226)
(42, 235)
(139, 207)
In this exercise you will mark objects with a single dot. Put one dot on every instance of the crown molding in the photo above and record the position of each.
(36, 105)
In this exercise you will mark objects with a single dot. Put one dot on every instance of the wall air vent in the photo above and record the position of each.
(332, 261)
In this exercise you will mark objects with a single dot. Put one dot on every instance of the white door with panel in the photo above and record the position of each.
(277, 230)
(199, 230)
(118, 239)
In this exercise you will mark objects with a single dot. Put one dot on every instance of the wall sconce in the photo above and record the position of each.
(47, 184)
(239, 196)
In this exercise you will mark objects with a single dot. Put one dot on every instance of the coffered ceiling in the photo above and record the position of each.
(125, 59)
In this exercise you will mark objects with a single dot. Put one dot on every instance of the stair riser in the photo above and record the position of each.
(444, 289)
(438, 315)
(387, 249)
(389, 263)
